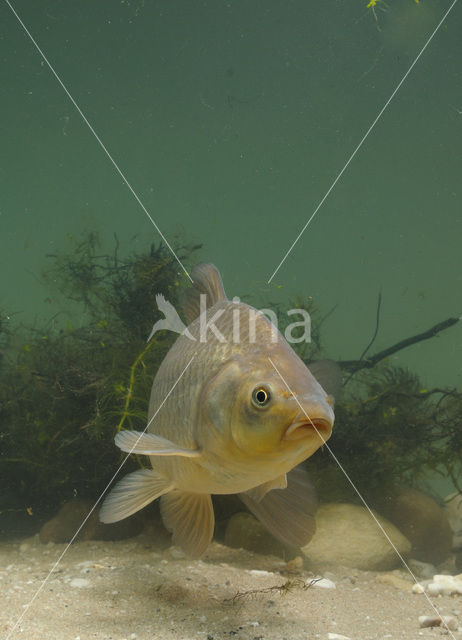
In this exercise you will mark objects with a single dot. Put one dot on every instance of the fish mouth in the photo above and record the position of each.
(304, 426)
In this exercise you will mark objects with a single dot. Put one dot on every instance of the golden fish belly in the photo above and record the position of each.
(212, 476)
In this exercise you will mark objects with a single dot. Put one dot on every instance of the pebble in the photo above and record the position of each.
(79, 582)
(445, 585)
(418, 588)
(438, 621)
(394, 581)
(337, 636)
(324, 583)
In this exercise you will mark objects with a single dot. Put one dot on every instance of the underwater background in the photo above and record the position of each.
(230, 121)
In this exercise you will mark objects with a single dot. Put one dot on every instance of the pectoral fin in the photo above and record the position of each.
(133, 493)
(257, 493)
(151, 445)
(288, 514)
(189, 516)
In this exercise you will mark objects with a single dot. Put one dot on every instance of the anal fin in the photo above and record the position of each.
(288, 514)
(132, 493)
(151, 445)
(189, 516)
(259, 492)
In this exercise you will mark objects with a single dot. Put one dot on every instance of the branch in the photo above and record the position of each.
(368, 363)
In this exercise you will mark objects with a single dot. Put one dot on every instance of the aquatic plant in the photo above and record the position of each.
(391, 431)
(64, 391)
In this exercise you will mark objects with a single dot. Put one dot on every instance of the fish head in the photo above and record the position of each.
(264, 404)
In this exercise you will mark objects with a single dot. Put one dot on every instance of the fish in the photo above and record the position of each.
(233, 410)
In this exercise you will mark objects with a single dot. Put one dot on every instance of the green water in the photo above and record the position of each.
(231, 120)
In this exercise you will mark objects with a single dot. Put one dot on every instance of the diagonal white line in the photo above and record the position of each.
(98, 139)
(362, 499)
(28, 605)
(361, 141)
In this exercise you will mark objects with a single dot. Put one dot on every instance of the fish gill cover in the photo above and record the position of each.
(66, 391)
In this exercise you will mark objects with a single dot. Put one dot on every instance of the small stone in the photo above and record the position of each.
(323, 583)
(337, 636)
(445, 585)
(448, 622)
(80, 583)
(394, 581)
(418, 588)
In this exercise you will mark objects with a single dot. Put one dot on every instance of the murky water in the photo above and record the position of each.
(230, 121)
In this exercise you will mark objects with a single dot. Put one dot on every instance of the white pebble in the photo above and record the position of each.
(336, 636)
(79, 582)
(258, 572)
(418, 588)
(445, 585)
(324, 583)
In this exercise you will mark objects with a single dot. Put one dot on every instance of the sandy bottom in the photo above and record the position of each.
(123, 590)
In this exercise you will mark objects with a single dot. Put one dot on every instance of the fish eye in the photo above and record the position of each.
(261, 396)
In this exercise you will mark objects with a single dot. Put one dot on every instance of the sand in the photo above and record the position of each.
(124, 590)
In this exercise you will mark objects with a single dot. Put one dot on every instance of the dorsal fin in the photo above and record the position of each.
(207, 280)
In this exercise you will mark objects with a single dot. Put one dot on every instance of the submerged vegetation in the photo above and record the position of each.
(65, 391)
(391, 431)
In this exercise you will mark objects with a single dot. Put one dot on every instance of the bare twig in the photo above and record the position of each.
(368, 363)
